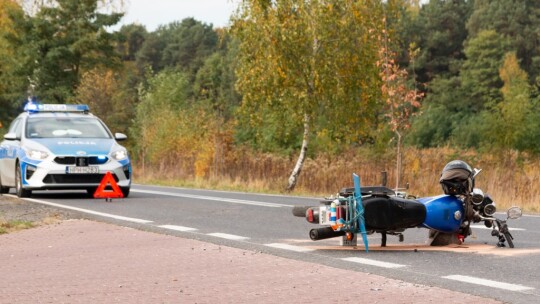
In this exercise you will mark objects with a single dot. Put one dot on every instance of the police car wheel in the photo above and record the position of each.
(21, 192)
(125, 191)
(2, 188)
(90, 191)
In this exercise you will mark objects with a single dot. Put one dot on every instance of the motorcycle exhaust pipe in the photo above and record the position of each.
(300, 211)
(324, 233)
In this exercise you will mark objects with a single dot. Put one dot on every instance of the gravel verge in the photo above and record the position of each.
(14, 210)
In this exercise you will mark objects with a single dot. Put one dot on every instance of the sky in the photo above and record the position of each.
(152, 13)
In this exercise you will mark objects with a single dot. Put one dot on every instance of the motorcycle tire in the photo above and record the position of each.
(509, 239)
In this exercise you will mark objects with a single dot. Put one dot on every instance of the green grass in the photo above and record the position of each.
(14, 225)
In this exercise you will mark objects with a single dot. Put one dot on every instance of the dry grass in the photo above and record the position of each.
(510, 178)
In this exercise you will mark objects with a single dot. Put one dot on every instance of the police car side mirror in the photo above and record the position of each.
(120, 136)
(10, 136)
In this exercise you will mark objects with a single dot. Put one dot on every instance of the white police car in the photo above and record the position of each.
(60, 146)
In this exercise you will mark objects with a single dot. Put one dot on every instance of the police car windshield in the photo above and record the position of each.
(65, 127)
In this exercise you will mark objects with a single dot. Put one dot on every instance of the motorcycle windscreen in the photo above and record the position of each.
(443, 213)
(392, 213)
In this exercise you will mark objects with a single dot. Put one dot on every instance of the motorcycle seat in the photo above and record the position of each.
(384, 213)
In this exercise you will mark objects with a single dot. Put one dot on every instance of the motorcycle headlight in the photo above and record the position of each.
(490, 209)
(36, 154)
(477, 196)
(119, 154)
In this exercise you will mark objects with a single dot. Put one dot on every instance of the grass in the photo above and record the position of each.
(14, 225)
(511, 178)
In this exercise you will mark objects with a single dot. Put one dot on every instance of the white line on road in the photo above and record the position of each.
(489, 283)
(213, 198)
(177, 228)
(289, 247)
(229, 236)
(484, 227)
(118, 217)
(373, 262)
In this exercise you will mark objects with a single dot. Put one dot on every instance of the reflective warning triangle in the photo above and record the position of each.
(108, 179)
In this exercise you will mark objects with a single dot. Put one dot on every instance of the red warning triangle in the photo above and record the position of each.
(108, 179)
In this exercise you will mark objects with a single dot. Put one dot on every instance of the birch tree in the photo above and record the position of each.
(311, 65)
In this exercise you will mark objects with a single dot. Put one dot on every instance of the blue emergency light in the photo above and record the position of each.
(32, 107)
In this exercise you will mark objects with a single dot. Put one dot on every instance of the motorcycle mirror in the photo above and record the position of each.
(476, 172)
(514, 213)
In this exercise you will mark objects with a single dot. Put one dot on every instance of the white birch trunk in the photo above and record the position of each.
(398, 160)
(301, 158)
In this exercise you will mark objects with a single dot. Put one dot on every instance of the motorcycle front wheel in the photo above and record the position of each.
(509, 239)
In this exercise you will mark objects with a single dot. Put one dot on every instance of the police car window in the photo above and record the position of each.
(15, 127)
(65, 127)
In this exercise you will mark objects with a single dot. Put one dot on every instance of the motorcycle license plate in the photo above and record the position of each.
(82, 170)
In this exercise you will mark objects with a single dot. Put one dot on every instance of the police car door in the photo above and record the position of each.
(8, 152)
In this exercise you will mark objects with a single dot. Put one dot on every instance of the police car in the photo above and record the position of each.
(59, 147)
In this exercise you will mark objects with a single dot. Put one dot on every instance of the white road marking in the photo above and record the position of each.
(484, 227)
(289, 247)
(177, 228)
(118, 217)
(229, 236)
(489, 283)
(373, 262)
(213, 198)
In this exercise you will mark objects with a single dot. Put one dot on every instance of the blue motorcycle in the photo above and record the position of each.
(366, 210)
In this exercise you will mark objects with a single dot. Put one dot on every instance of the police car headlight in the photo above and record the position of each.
(119, 154)
(36, 154)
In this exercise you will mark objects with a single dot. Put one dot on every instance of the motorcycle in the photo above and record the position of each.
(377, 209)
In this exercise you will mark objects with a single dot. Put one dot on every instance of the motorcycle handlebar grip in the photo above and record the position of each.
(324, 233)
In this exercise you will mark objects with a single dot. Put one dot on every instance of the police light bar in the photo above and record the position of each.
(32, 107)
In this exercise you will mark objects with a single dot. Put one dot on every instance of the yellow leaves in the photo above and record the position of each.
(511, 72)
(5, 7)
(281, 72)
(204, 159)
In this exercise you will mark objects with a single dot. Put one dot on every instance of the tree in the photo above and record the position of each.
(516, 21)
(214, 87)
(9, 86)
(441, 111)
(439, 32)
(401, 101)
(172, 130)
(480, 72)
(105, 92)
(288, 68)
(190, 43)
(181, 45)
(130, 41)
(509, 124)
(60, 42)
(437, 29)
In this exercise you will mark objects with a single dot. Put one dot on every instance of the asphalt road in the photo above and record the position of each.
(265, 223)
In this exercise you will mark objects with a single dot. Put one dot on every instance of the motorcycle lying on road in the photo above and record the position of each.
(376, 209)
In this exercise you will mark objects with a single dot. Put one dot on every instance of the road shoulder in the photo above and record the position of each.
(85, 261)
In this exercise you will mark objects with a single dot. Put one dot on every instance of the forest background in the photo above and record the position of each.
(295, 96)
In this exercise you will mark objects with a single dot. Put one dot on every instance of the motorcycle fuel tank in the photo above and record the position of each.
(443, 213)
